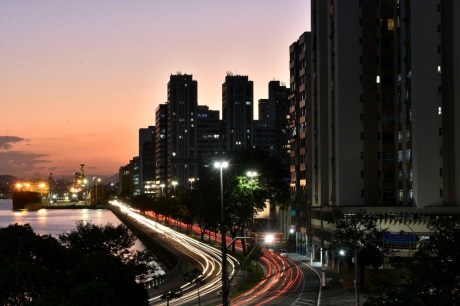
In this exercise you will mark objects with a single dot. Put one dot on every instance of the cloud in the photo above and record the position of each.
(6, 142)
(22, 164)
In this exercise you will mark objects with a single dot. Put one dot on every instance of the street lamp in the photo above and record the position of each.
(225, 292)
(341, 253)
(252, 175)
(174, 183)
(191, 180)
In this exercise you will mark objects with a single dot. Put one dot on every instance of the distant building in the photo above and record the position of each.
(147, 160)
(210, 135)
(128, 180)
(278, 112)
(182, 129)
(161, 146)
(237, 112)
(264, 132)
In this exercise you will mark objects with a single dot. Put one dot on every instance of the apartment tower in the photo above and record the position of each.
(181, 129)
(383, 103)
(237, 112)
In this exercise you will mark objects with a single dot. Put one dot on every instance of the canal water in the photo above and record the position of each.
(56, 221)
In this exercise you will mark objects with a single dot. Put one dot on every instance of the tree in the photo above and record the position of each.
(435, 271)
(359, 233)
(117, 241)
(38, 270)
(245, 197)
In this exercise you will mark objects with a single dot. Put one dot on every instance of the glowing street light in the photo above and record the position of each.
(174, 183)
(225, 292)
(251, 174)
(191, 180)
(269, 238)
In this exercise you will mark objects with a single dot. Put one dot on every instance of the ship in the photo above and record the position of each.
(30, 195)
(30, 200)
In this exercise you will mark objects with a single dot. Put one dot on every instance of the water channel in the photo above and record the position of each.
(56, 221)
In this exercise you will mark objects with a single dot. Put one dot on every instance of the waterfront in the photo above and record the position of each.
(58, 221)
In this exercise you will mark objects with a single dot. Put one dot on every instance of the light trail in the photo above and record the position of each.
(207, 257)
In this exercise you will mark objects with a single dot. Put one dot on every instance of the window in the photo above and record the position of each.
(390, 24)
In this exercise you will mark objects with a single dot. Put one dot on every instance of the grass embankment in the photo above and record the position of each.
(250, 277)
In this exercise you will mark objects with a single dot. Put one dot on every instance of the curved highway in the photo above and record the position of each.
(192, 253)
(287, 281)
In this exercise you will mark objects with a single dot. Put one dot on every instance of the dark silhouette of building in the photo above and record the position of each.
(147, 160)
(237, 112)
(182, 129)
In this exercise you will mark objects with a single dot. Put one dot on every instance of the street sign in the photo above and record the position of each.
(399, 241)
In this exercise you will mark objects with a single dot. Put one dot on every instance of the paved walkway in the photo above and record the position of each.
(333, 293)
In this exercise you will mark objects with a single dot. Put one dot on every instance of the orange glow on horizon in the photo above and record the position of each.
(79, 80)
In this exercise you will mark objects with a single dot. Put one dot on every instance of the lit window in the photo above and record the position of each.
(248, 102)
(378, 79)
(390, 24)
(173, 153)
(439, 110)
(439, 69)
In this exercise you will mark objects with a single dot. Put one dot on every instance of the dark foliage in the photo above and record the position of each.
(38, 270)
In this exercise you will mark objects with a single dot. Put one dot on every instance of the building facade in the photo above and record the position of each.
(147, 160)
(182, 149)
(384, 128)
(161, 147)
(237, 112)
(210, 135)
(300, 135)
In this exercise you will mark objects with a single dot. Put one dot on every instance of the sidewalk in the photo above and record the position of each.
(336, 292)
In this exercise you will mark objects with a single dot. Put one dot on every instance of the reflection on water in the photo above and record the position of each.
(56, 221)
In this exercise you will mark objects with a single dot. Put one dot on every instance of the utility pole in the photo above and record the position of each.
(356, 261)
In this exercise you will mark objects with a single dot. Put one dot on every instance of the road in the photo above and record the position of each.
(192, 254)
(287, 282)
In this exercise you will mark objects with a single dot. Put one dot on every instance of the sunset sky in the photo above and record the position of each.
(79, 78)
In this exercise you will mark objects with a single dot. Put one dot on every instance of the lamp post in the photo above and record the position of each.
(191, 180)
(225, 292)
(341, 253)
(174, 183)
(252, 175)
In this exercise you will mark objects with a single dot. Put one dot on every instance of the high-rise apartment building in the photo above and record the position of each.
(182, 129)
(147, 160)
(237, 112)
(272, 130)
(383, 115)
(300, 135)
(210, 135)
(161, 146)
(278, 101)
